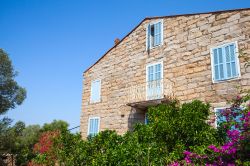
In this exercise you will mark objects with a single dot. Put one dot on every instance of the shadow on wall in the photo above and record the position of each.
(136, 115)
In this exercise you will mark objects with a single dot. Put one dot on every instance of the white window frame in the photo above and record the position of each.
(236, 61)
(149, 65)
(215, 113)
(93, 118)
(147, 36)
(100, 90)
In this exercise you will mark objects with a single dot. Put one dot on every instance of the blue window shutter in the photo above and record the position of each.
(228, 62)
(148, 36)
(157, 34)
(158, 72)
(225, 63)
(234, 65)
(95, 91)
(219, 118)
(91, 131)
(216, 65)
(221, 64)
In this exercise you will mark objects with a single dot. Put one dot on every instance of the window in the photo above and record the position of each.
(95, 95)
(154, 34)
(146, 119)
(154, 81)
(219, 119)
(225, 62)
(94, 124)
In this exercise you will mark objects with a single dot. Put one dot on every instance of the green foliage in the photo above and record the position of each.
(11, 94)
(20, 139)
(172, 129)
(55, 125)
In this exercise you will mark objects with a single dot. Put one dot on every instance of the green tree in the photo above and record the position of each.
(55, 125)
(24, 144)
(11, 94)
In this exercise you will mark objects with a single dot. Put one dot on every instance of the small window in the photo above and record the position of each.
(154, 34)
(225, 62)
(93, 126)
(146, 119)
(218, 118)
(95, 95)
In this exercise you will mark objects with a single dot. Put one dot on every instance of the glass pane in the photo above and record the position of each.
(228, 70)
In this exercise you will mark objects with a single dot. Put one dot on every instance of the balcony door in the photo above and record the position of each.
(154, 82)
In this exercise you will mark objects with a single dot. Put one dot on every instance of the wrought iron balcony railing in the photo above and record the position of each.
(150, 90)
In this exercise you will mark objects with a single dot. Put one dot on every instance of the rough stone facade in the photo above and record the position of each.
(185, 53)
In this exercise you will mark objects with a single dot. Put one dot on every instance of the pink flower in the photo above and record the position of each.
(188, 160)
(187, 153)
(214, 148)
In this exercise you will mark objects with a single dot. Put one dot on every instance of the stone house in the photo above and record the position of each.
(189, 56)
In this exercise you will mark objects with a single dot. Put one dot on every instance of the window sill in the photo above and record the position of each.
(95, 102)
(153, 47)
(227, 80)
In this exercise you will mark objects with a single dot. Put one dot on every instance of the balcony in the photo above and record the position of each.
(149, 93)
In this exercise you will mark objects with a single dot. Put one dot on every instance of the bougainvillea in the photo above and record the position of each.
(236, 149)
(44, 148)
(45, 142)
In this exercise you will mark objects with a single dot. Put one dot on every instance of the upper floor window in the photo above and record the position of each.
(154, 34)
(225, 62)
(95, 95)
(93, 126)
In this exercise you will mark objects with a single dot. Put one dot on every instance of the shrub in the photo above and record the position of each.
(236, 149)
(172, 129)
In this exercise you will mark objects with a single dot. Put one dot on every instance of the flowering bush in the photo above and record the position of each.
(176, 135)
(45, 149)
(172, 128)
(236, 149)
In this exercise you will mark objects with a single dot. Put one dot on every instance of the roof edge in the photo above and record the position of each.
(159, 17)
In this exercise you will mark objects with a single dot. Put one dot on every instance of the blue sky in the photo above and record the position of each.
(51, 43)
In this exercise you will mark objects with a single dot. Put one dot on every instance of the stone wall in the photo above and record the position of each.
(185, 54)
